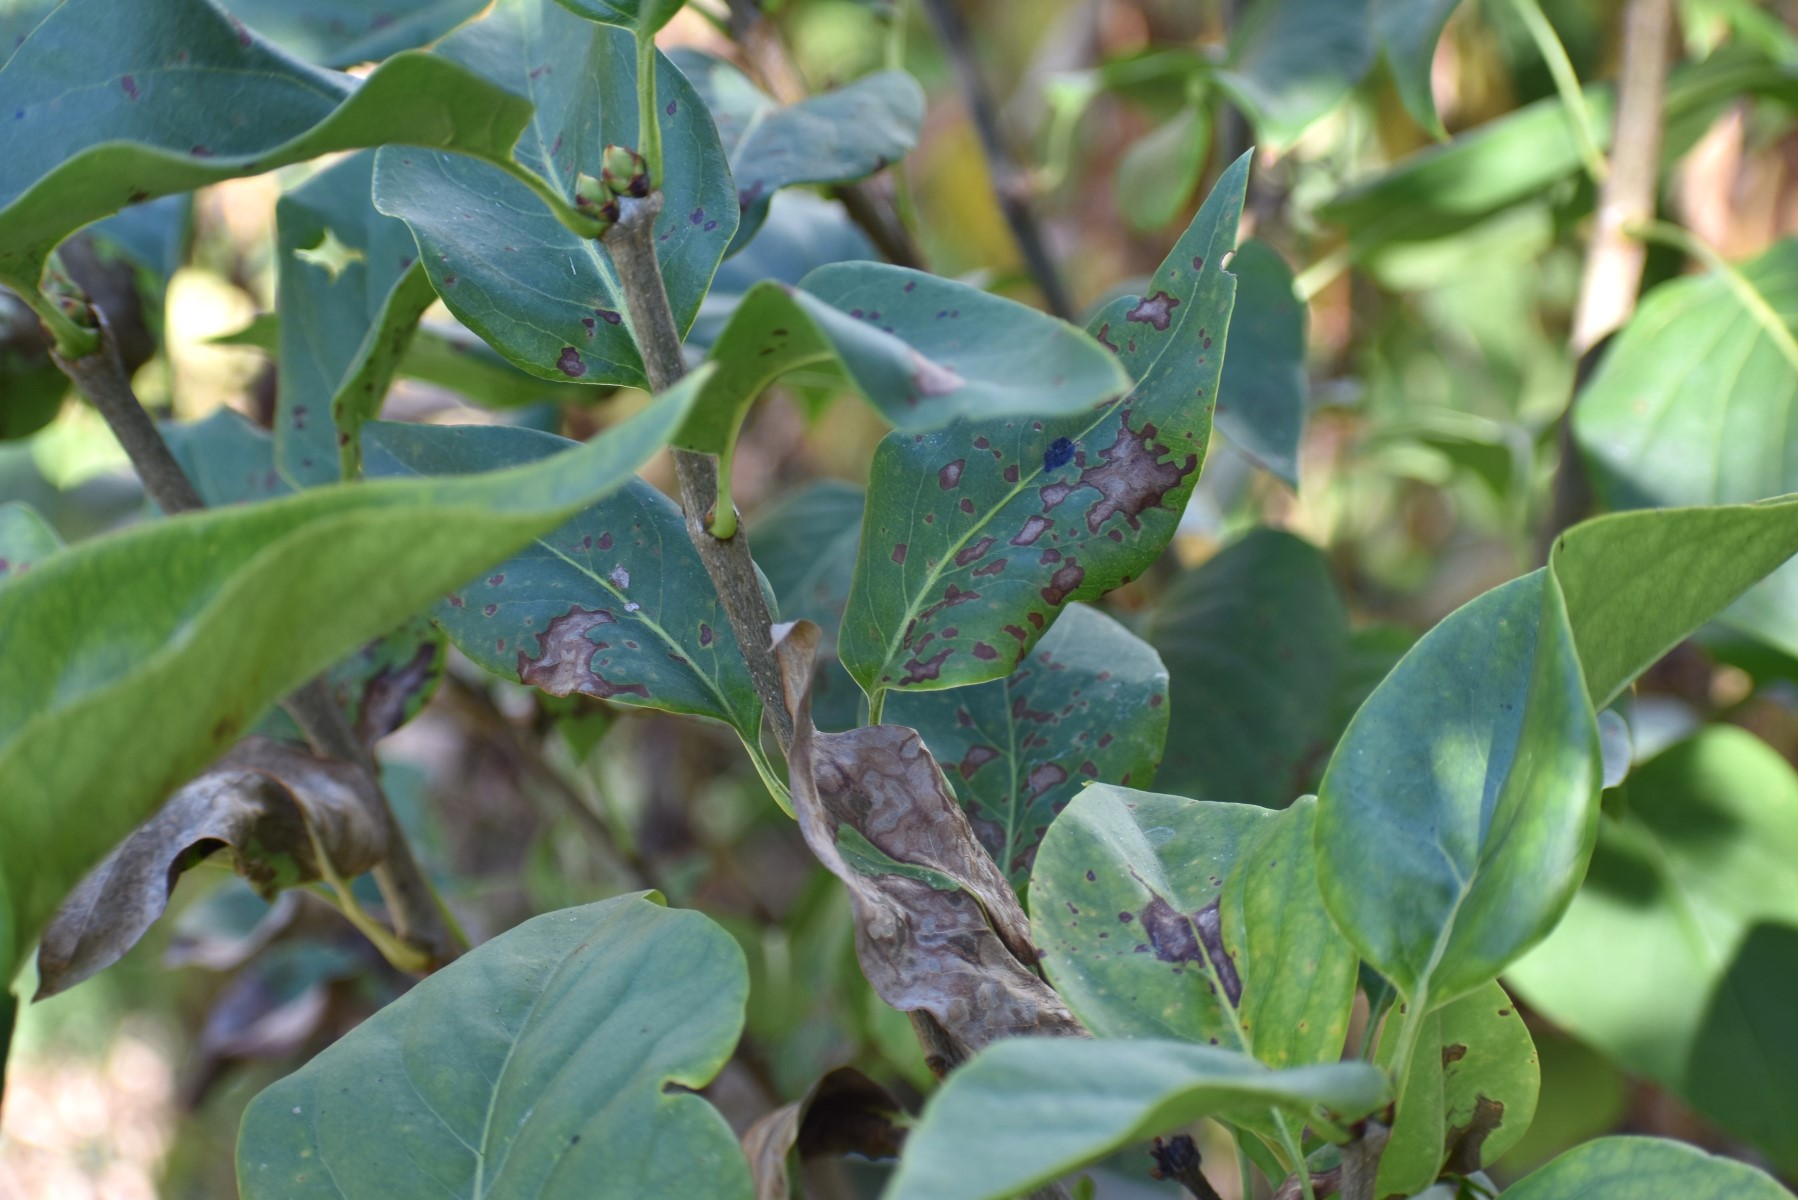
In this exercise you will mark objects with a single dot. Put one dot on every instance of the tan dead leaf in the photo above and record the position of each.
(845, 1112)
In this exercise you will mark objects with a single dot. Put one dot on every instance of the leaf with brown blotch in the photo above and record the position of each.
(844, 1112)
(267, 803)
(938, 929)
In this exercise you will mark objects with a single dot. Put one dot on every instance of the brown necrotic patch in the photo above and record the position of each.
(564, 662)
(1130, 477)
(968, 554)
(919, 670)
(950, 476)
(1062, 584)
(1156, 310)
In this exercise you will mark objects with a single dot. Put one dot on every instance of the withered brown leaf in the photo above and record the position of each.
(844, 1112)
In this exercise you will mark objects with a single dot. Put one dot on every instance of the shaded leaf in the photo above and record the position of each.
(640, 16)
(539, 293)
(836, 136)
(1261, 398)
(1158, 172)
(350, 293)
(271, 806)
(1292, 61)
(1256, 639)
(1681, 407)
(173, 617)
(226, 927)
(342, 33)
(273, 1008)
(1075, 506)
(25, 539)
(614, 603)
(845, 1112)
(1030, 1110)
(805, 544)
(154, 107)
(1407, 32)
(560, 1062)
(1639, 1168)
(1675, 959)
(1089, 703)
(937, 928)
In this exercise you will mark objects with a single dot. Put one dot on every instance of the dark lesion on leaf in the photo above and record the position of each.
(1130, 477)
(1466, 1142)
(564, 662)
(1176, 937)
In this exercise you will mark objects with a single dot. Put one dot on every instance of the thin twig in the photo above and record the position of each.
(1011, 183)
(631, 242)
(417, 914)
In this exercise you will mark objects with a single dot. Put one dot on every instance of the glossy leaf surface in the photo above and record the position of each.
(557, 1060)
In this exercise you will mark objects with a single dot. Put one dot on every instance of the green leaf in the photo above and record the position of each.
(1675, 959)
(946, 509)
(342, 33)
(539, 293)
(350, 293)
(25, 539)
(1261, 398)
(1638, 583)
(1458, 812)
(1681, 409)
(557, 1060)
(1089, 703)
(614, 603)
(643, 17)
(1639, 1168)
(1029, 1110)
(173, 617)
(1125, 902)
(176, 96)
(1256, 639)
(1407, 31)
(836, 136)
(1292, 61)
(1157, 174)
(924, 350)
(805, 545)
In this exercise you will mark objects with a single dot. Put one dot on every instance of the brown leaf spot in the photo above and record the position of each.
(968, 554)
(1453, 1054)
(984, 651)
(992, 568)
(1156, 310)
(1104, 340)
(1043, 777)
(705, 634)
(917, 671)
(1063, 583)
(564, 662)
(129, 86)
(1130, 477)
(570, 363)
(974, 759)
(1034, 527)
(899, 553)
(950, 476)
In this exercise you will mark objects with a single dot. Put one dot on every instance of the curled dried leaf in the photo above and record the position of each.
(267, 803)
(844, 1112)
(938, 929)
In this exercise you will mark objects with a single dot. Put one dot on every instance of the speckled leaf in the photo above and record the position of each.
(923, 350)
(989, 527)
(1292, 61)
(1687, 406)
(828, 137)
(643, 16)
(615, 603)
(1255, 638)
(542, 295)
(26, 539)
(1407, 31)
(1458, 812)
(1090, 703)
(264, 802)
(558, 1060)
(1640, 1168)
(1031, 1110)
(381, 686)
(1261, 398)
(1125, 904)
(805, 544)
(173, 617)
(937, 928)
(176, 96)
(350, 293)
(342, 33)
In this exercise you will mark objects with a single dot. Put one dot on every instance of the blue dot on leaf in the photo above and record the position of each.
(1059, 454)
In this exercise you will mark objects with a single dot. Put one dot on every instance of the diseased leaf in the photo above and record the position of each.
(923, 350)
(844, 1112)
(1686, 408)
(560, 1062)
(937, 928)
(1292, 61)
(264, 802)
(1261, 397)
(1090, 703)
(1639, 1168)
(614, 603)
(1030, 1110)
(342, 33)
(176, 96)
(1073, 507)
(25, 539)
(172, 617)
(1675, 959)
(1457, 814)
(836, 136)
(539, 293)
(1407, 31)
(805, 544)
(1256, 639)
(350, 293)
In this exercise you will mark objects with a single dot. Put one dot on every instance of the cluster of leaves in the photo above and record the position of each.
(970, 731)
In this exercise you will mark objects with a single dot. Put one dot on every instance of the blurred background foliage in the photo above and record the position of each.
(1438, 284)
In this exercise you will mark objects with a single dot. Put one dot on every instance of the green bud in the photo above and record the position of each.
(624, 171)
(589, 193)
